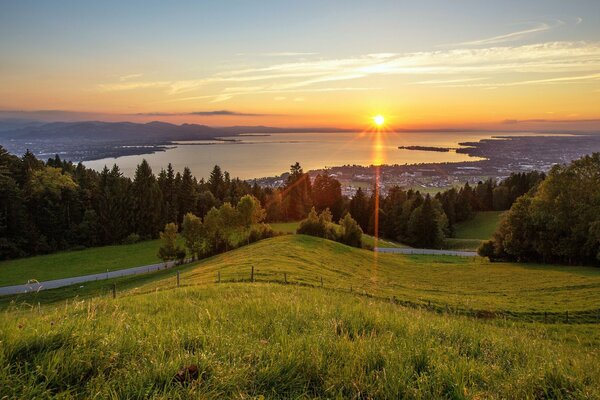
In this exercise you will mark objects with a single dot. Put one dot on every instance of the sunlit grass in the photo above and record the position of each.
(277, 341)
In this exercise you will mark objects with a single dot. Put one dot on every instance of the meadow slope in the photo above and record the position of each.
(260, 340)
(469, 284)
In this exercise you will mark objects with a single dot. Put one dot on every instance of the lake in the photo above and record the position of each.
(258, 155)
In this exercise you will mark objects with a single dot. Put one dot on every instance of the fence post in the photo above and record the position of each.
(114, 290)
(321, 281)
(218, 276)
(252, 274)
(428, 303)
(545, 317)
(285, 277)
(177, 278)
(567, 315)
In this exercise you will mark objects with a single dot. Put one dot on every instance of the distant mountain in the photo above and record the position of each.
(9, 124)
(90, 140)
(130, 132)
(97, 131)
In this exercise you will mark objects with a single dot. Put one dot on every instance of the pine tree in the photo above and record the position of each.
(147, 202)
(297, 194)
(186, 195)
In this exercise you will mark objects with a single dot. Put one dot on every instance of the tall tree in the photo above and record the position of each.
(327, 193)
(187, 195)
(147, 201)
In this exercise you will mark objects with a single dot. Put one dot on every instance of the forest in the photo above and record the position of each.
(557, 222)
(53, 205)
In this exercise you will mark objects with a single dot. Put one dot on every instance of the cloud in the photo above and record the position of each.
(287, 54)
(206, 114)
(562, 79)
(448, 81)
(130, 76)
(512, 36)
(525, 121)
(542, 63)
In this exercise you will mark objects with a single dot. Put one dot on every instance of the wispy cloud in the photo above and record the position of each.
(448, 81)
(287, 54)
(562, 79)
(512, 36)
(542, 63)
(525, 121)
(205, 114)
(130, 76)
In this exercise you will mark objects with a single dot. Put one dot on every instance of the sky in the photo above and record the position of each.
(421, 64)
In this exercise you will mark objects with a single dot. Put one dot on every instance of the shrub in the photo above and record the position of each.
(318, 225)
(350, 232)
(131, 239)
(259, 232)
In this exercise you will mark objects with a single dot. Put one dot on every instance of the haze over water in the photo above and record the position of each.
(270, 155)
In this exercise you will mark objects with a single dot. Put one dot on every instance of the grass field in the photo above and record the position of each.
(469, 285)
(75, 263)
(367, 240)
(275, 341)
(481, 226)
(272, 340)
(470, 234)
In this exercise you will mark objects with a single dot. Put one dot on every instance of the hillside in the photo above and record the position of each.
(75, 263)
(481, 226)
(265, 338)
(466, 285)
(272, 341)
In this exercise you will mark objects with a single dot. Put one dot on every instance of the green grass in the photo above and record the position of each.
(272, 340)
(469, 285)
(367, 240)
(481, 226)
(462, 244)
(275, 341)
(520, 290)
(75, 263)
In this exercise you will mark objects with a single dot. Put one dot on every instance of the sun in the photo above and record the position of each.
(379, 120)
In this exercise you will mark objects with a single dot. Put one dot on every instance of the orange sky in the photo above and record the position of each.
(320, 65)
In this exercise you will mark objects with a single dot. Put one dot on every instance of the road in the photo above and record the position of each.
(57, 283)
(426, 251)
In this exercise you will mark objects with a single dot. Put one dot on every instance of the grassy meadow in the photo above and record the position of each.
(381, 326)
(81, 262)
(258, 340)
(471, 286)
(468, 235)
(481, 226)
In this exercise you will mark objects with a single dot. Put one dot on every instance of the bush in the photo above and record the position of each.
(318, 225)
(350, 232)
(486, 249)
(131, 239)
(259, 232)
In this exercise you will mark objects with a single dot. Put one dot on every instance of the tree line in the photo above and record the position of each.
(557, 222)
(57, 205)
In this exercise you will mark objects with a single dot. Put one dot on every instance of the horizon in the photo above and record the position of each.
(533, 66)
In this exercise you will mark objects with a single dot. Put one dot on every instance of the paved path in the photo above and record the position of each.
(37, 286)
(426, 251)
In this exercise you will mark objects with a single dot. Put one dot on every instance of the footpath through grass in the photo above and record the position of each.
(279, 342)
(75, 263)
